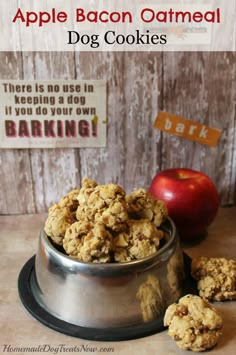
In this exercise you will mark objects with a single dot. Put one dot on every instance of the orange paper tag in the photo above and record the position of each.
(185, 128)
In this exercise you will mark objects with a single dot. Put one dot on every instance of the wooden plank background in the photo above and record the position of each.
(197, 85)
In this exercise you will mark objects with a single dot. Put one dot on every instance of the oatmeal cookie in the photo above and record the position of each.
(106, 204)
(140, 240)
(87, 188)
(58, 220)
(216, 278)
(143, 205)
(151, 300)
(70, 200)
(193, 323)
(88, 242)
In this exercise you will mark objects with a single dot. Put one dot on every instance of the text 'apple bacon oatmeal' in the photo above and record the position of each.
(102, 224)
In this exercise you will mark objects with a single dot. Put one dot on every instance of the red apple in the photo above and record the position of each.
(191, 198)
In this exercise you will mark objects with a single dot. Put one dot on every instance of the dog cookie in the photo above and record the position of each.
(58, 220)
(88, 186)
(140, 240)
(88, 242)
(193, 323)
(70, 200)
(142, 204)
(216, 278)
(106, 204)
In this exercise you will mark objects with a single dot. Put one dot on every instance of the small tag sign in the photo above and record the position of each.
(188, 129)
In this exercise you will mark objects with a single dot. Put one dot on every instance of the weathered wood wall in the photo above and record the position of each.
(198, 85)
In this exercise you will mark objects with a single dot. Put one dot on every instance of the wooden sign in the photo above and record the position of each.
(50, 114)
(185, 128)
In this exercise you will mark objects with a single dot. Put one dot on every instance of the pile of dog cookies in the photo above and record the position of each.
(100, 223)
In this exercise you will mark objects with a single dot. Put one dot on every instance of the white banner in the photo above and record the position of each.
(52, 114)
(117, 25)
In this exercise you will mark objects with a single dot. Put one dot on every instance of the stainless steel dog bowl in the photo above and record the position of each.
(109, 295)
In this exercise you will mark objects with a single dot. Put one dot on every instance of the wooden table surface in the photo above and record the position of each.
(20, 333)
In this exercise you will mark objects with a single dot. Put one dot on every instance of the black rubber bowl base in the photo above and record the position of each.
(26, 275)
